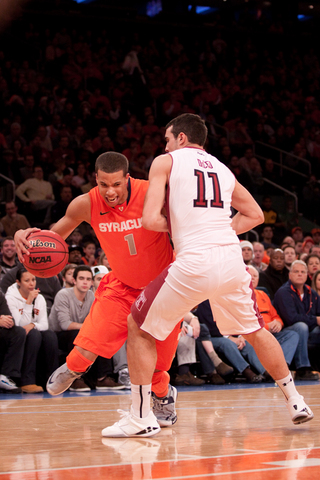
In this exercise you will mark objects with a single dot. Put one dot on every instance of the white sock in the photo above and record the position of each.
(288, 387)
(141, 396)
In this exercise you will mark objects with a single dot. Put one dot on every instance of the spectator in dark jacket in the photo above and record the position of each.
(276, 274)
(299, 307)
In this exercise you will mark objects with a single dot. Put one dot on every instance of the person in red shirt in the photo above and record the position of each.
(136, 257)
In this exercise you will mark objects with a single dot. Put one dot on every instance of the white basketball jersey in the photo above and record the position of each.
(199, 200)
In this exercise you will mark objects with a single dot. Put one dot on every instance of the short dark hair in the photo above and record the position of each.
(81, 268)
(68, 267)
(191, 125)
(111, 162)
(89, 242)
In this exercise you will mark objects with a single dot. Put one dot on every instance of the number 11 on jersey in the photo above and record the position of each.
(201, 201)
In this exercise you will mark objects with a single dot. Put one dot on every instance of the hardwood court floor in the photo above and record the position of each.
(235, 433)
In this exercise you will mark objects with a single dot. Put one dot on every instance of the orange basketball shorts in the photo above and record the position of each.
(105, 330)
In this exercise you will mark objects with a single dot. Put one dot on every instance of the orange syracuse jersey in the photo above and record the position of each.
(136, 255)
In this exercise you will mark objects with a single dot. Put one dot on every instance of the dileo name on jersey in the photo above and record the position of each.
(122, 226)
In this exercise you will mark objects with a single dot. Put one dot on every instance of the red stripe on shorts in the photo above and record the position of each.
(141, 306)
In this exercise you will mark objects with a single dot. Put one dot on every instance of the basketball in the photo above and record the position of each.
(48, 256)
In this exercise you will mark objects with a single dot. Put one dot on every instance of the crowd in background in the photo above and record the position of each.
(77, 93)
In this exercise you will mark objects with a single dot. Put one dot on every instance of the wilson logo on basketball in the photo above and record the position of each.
(39, 243)
(40, 259)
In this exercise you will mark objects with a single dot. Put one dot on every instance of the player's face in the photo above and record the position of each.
(171, 142)
(113, 187)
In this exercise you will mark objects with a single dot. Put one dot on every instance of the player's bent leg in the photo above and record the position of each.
(78, 362)
(164, 395)
(271, 356)
(142, 357)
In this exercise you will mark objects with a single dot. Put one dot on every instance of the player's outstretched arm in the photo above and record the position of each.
(249, 213)
(152, 216)
(78, 211)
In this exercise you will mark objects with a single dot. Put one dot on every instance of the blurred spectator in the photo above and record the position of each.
(275, 274)
(67, 275)
(315, 233)
(10, 166)
(186, 352)
(299, 307)
(89, 254)
(247, 251)
(297, 234)
(8, 255)
(81, 177)
(104, 261)
(68, 313)
(29, 310)
(75, 254)
(92, 182)
(290, 255)
(75, 238)
(36, 192)
(238, 352)
(289, 340)
(12, 340)
(58, 210)
(15, 134)
(27, 171)
(98, 272)
(64, 151)
(258, 256)
(313, 264)
(267, 236)
(13, 220)
(49, 287)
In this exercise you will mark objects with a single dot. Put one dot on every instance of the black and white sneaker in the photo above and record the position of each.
(165, 408)
(131, 426)
(8, 385)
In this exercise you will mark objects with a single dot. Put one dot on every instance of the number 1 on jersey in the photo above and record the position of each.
(132, 246)
(201, 201)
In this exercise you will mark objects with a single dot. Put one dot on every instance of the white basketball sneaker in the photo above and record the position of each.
(299, 410)
(131, 426)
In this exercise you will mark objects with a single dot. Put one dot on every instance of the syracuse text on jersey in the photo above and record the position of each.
(121, 227)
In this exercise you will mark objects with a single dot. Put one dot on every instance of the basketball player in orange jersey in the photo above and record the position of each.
(136, 256)
(199, 192)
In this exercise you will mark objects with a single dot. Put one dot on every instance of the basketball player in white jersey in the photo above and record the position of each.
(199, 192)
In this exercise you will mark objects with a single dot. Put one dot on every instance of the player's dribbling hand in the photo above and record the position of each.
(21, 242)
